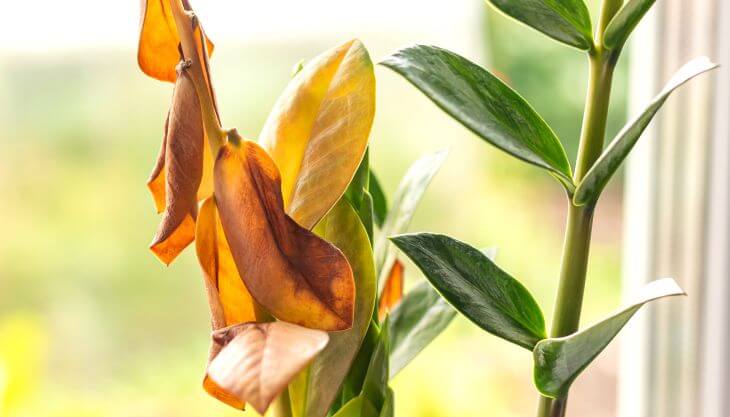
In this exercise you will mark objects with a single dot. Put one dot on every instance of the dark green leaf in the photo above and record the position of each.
(356, 375)
(388, 409)
(405, 201)
(415, 322)
(484, 104)
(559, 361)
(380, 202)
(566, 21)
(589, 189)
(341, 227)
(476, 287)
(621, 26)
(359, 183)
(375, 386)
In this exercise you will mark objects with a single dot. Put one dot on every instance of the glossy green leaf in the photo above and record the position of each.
(484, 104)
(405, 201)
(380, 201)
(559, 361)
(388, 409)
(476, 287)
(357, 407)
(341, 227)
(415, 322)
(375, 386)
(566, 21)
(624, 22)
(589, 189)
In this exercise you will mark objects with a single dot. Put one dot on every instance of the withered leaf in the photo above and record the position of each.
(392, 290)
(294, 274)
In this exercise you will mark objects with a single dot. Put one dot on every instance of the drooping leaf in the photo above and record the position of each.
(157, 53)
(483, 104)
(357, 407)
(392, 291)
(589, 189)
(405, 201)
(421, 316)
(258, 360)
(566, 21)
(302, 278)
(559, 361)
(380, 202)
(476, 287)
(375, 385)
(624, 22)
(318, 131)
(341, 227)
(180, 168)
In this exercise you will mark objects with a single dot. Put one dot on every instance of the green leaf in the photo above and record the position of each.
(388, 409)
(566, 21)
(342, 228)
(357, 407)
(415, 322)
(589, 189)
(405, 201)
(476, 287)
(359, 183)
(624, 22)
(559, 361)
(380, 202)
(375, 386)
(484, 104)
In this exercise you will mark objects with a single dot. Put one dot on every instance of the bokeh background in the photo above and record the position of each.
(91, 324)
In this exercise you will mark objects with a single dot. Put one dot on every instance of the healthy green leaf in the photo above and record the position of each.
(624, 22)
(380, 202)
(566, 21)
(589, 189)
(357, 407)
(405, 201)
(415, 322)
(341, 227)
(375, 386)
(559, 361)
(388, 409)
(484, 104)
(476, 287)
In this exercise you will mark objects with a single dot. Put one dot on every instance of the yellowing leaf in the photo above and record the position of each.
(295, 275)
(392, 290)
(258, 360)
(157, 53)
(318, 130)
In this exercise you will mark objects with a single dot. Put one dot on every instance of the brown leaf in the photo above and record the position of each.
(392, 290)
(183, 170)
(157, 52)
(258, 360)
(295, 275)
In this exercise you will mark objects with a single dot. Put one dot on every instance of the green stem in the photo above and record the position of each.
(282, 405)
(576, 247)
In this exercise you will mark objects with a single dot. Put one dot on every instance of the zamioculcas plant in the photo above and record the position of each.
(470, 281)
(284, 230)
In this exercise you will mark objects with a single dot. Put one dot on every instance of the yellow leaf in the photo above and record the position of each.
(318, 130)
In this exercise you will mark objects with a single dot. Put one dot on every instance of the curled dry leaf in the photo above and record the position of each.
(392, 290)
(180, 167)
(157, 53)
(294, 274)
(318, 131)
(258, 360)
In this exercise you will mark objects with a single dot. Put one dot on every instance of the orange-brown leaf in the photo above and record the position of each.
(294, 274)
(183, 170)
(392, 290)
(157, 52)
(258, 360)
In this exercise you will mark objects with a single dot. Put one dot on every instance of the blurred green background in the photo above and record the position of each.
(92, 325)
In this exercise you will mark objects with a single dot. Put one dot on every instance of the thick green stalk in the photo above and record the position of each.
(569, 301)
